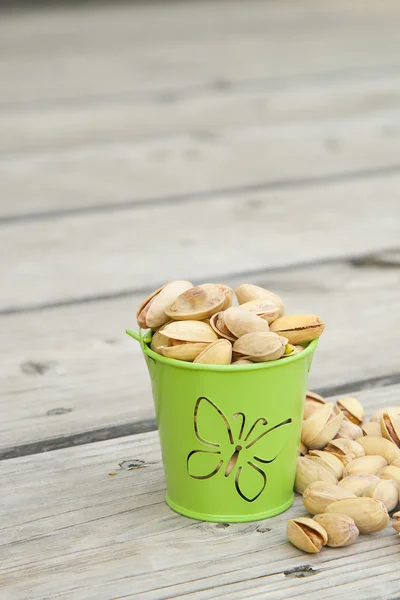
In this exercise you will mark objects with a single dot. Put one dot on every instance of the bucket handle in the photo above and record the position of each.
(139, 337)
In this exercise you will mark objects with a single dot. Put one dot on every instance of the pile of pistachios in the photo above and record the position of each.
(348, 473)
(200, 324)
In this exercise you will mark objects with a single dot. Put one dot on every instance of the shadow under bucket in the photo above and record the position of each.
(229, 434)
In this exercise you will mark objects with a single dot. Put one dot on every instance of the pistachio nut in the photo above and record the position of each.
(151, 313)
(197, 303)
(313, 401)
(370, 515)
(291, 350)
(352, 408)
(390, 427)
(345, 449)
(390, 472)
(216, 353)
(189, 331)
(341, 529)
(349, 430)
(247, 292)
(309, 471)
(394, 410)
(260, 346)
(365, 464)
(387, 491)
(158, 340)
(381, 446)
(186, 351)
(318, 495)
(321, 427)
(372, 428)
(265, 309)
(360, 485)
(217, 323)
(306, 534)
(327, 460)
(298, 328)
(239, 321)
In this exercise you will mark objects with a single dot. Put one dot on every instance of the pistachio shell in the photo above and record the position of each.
(349, 430)
(298, 328)
(313, 401)
(217, 353)
(309, 471)
(263, 308)
(228, 295)
(390, 472)
(239, 322)
(197, 303)
(341, 529)
(394, 410)
(361, 484)
(291, 350)
(218, 324)
(365, 464)
(343, 447)
(381, 446)
(151, 313)
(387, 491)
(306, 534)
(247, 292)
(372, 428)
(157, 340)
(303, 450)
(396, 526)
(242, 361)
(189, 331)
(186, 351)
(318, 495)
(390, 427)
(321, 427)
(369, 515)
(352, 408)
(395, 463)
(260, 346)
(327, 460)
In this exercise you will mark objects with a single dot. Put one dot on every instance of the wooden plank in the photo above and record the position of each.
(66, 53)
(235, 142)
(101, 531)
(95, 254)
(70, 375)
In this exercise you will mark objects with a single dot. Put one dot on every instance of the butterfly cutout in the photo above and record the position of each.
(247, 453)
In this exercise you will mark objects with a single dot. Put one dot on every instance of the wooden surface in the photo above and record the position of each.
(240, 142)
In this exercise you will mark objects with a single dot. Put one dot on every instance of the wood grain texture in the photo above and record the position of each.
(77, 525)
(89, 255)
(72, 373)
(108, 50)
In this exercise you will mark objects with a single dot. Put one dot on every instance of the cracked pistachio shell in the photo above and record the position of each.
(158, 340)
(390, 427)
(387, 491)
(365, 464)
(303, 450)
(343, 447)
(151, 312)
(396, 526)
(239, 322)
(263, 308)
(298, 328)
(349, 430)
(341, 529)
(372, 428)
(370, 515)
(327, 460)
(242, 361)
(390, 472)
(189, 331)
(247, 292)
(291, 350)
(306, 534)
(228, 295)
(313, 401)
(361, 484)
(352, 408)
(318, 495)
(217, 323)
(394, 410)
(216, 353)
(260, 346)
(187, 351)
(197, 303)
(380, 446)
(321, 427)
(309, 471)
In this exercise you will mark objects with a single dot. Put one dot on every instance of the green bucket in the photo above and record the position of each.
(229, 434)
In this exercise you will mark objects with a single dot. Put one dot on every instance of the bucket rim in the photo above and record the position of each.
(181, 364)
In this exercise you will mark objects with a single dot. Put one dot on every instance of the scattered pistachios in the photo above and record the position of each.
(187, 323)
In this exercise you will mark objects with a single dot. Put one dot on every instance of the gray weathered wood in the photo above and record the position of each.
(76, 525)
(69, 53)
(94, 254)
(72, 371)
